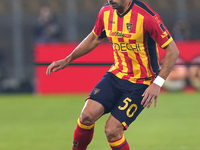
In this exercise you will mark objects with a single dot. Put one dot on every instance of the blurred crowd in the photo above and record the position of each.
(185, 76)
(47, 28)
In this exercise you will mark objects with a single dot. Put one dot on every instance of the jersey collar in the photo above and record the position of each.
(127, 10)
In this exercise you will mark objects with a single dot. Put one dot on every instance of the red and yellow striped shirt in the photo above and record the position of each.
(134, 35)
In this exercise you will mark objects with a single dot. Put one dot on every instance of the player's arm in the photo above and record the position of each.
(86, 46)
(153, 90)
(171, 56)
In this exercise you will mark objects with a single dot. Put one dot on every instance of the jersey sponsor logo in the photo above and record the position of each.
(126, 46)
(119, 34)
(112, 22)
(129, 26)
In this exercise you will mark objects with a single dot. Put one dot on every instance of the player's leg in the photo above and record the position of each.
(114, 131)
(100, 101)
(84, 130)
(123, 114)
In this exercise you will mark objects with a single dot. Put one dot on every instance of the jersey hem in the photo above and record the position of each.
(95, 33)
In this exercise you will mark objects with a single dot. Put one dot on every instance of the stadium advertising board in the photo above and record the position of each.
(84, 73)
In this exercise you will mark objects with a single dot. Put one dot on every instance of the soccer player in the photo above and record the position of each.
(135, 79)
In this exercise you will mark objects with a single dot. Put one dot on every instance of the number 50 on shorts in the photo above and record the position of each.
(129, 107)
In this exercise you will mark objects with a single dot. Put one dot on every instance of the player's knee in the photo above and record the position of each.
(110, 134)
(113, 132)
(87, 117)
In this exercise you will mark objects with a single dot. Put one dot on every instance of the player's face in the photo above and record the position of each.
(120, 5)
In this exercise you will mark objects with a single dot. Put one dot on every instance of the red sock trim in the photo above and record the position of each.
(84, 126)
(119, 144)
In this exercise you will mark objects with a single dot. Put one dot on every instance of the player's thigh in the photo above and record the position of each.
(105, 92)
(91, 111)
(129, 106)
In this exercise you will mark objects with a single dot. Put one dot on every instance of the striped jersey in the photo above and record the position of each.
(134, 35)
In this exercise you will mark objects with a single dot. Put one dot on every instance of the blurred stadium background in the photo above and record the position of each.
(46, 122)
(76, 19)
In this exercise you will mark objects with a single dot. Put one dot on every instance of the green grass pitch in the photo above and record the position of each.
(32, 122)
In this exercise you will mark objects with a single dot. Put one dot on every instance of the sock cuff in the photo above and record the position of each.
(84, 126)
(118, 143)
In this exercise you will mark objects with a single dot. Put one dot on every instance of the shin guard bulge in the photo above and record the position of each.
(82, 135)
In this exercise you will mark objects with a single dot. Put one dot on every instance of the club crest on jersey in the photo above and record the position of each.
(96, 90)
(129, 26)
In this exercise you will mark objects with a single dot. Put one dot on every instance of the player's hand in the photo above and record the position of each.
(56, 65)
(150, 94)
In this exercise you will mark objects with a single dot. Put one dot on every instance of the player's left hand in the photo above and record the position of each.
(150, 94)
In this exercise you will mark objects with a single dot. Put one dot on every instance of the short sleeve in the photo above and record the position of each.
(157, 30)
(99, 29)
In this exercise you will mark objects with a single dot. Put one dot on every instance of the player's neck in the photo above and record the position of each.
(125, 7)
